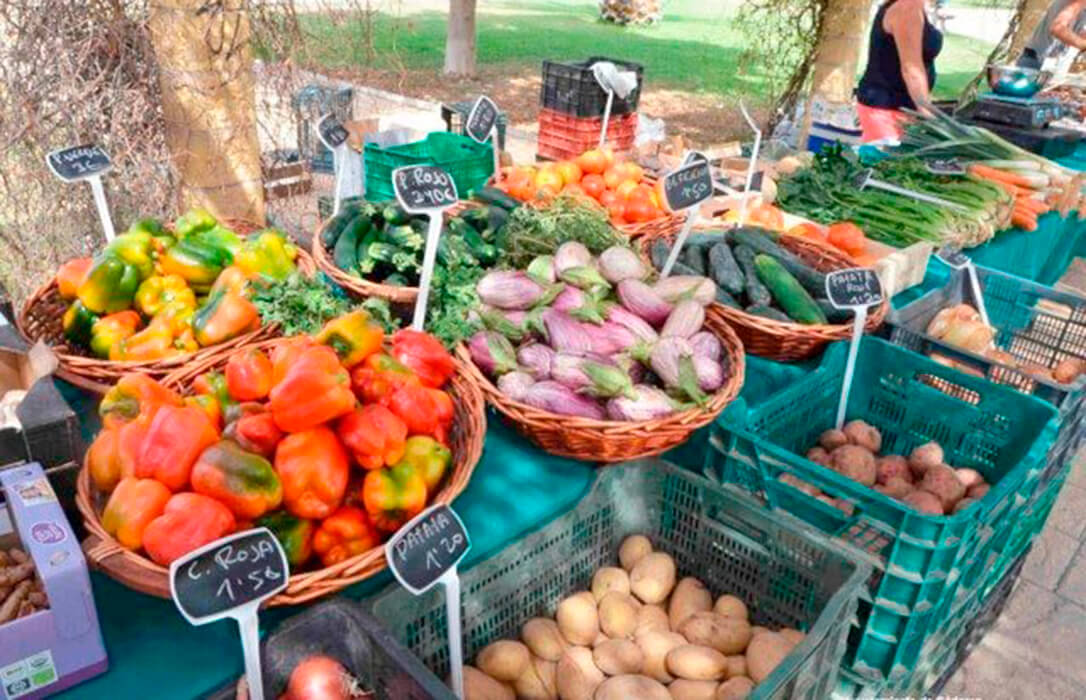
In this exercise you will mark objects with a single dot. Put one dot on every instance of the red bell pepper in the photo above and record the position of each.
(424, 355)
(189, 521)
(209, 405)
(285, 354)
(378, 378)
(249, 375)
(175, 439)
(346, 533)
(314, 390)
(426, 411)
(134, 395)
(256, 432)
(313, 468)
(393, 496)
(131, 506)
(374, 435)
(242, 481)
(214, 384)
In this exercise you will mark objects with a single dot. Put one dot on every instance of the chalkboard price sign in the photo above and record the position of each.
(78, 163)
(481, 120)
(953, 257)
(945, 166)
(229, 574)
(858, 287)
(688, 186)
(428, 546)
(693, 157)
(331, 132)
(423, 188)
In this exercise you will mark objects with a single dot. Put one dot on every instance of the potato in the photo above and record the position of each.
(610, 578)
(855, 462)
(543, 638)
(629, 686)
(728, 635)
(650, 617)
(618, 615)
(892, 467)
(930, 454)
(968, 477)
(600, 639)
(863, 434)
(696, 663)
(504, 660)
(924, 502)
(684, 689)
(805, 487)
(655, 645)
(737, 666)
(963, 504)
(734, 688)
(731, 606)
(690, 596)
(765, 651)
(832, 439)
(632, 549)
(943, 482)
(819, 455)
(479, 686)
(578, 619)
(977, 491)
(577, 674)
(792, 635)
(1068, 370)
(652, 578)
(538, 681)
(616, 657)
(895, 488)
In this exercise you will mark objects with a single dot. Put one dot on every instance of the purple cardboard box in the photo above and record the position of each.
(52, 649)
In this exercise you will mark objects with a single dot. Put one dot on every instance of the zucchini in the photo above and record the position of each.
(374, 254)
(492, 195)
(833, 314)
(337, 224)
(724, 270)
(694, 257)
(787, 290)
(496, 218)
(394, 215)
(762, 242)
(345, 253)
(395, 279)
(768, 312)
(722, 297)
(478, 217)
(405, 237)
(757, 293)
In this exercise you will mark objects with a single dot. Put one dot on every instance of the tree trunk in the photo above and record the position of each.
(460, 40)
(206, 80)
(840, 40)
(1031, 14)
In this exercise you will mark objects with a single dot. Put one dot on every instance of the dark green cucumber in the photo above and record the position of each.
(833, 314)
(757, 293)
(477, 217)
(763, 242)
(768, 312)
(787, 291)
(681, 268)
(345, 254)
(694, 258)
(724, 270)
(658, 252)
(492, 195)
(722, 297)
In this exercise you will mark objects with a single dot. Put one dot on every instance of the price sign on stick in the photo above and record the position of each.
(686, 188)
(597, 74)
(425, 189)
(945, 166)
(88, 162)
(230, 578)
(425, 552)
(856, 289)
(482, 124)
(334, 136)
(955, 259)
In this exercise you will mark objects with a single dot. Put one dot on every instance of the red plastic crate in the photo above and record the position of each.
(562, 136)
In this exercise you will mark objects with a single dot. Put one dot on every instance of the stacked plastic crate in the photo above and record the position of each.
(572, 109)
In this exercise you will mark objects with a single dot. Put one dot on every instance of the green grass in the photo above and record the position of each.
(695, 48)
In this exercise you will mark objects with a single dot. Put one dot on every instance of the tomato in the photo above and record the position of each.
(808, 230)
(548, 177)
(639, 210)
(593, 162)
(569, 171)
(608, 157)
(625, 188)
(848, 237)
(614, 177)
(641, 193)
(634, 171)
(617, 211)
(593, 185)
(608, 197)
(574, 189)
(767, 216)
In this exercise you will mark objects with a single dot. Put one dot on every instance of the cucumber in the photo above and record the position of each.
(768, 312)
(681, 268)
(724, 270)
(762, 242)
(658, 252)
(694, 258)
(705, 239)
(345, 254)
(337, 224)
(496, 218)
(477, 217)
(833, 314)
(787, 290)
(757, 293)
(722, 297)
(492, 195)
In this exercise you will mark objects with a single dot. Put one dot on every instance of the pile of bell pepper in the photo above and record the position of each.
(154, 293)
(332, 442)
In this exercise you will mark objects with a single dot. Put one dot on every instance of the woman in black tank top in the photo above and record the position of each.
(900, 67)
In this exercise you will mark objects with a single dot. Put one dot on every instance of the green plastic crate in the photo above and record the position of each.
(919, 558)
(469, 163)
(787, 573)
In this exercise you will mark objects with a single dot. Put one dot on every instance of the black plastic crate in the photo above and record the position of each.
(570, 87)
(455, 116)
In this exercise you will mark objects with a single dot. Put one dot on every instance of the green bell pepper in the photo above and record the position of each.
(77, 323)
(110, 285)
(135, 249)
(196, 262)
(192, 221)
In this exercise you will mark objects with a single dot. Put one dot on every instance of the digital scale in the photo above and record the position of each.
(1022, 112)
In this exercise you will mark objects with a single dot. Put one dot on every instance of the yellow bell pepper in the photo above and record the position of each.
(159, 291)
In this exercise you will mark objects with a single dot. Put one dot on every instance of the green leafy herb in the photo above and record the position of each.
(299, 304)
(530, 232)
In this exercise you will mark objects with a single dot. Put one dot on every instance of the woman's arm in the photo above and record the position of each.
(905, 22)
(1063, 27)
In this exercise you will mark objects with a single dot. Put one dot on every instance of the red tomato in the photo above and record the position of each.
(608, 197)
(617, 211)
(623, 190)
(614, 176)
(570, 172)
(639, 210)
(593, 185)
(593, 162)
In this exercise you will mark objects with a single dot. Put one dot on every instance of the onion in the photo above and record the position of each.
(319, 678)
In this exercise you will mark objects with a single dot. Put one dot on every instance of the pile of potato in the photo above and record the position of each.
(637, 634)
(923, 480)
(21, 592)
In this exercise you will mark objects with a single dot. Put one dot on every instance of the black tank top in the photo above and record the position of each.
(882, 84)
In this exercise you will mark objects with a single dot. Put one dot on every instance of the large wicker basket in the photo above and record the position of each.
(140, 573)
(40, 319)
(667, 225)
(617, 441)
(789, 342)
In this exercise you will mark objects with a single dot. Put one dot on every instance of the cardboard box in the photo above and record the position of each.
(52, 649)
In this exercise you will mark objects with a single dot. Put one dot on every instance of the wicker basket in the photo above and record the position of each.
(137, 571)
(364, 288)
(40, 319)
(667, 225)
(616, 441)
(789, 342)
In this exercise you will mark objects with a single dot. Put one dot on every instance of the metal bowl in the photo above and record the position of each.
(1016, 81)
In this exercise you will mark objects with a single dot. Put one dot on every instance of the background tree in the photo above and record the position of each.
(460, 38)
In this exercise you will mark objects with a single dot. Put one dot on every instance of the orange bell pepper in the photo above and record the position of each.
(249, 375)
(424, 355)
(131, 507)
(175, 439)
(313, 468)
(70, 275)
(393, 496)
(285, 354)
(354, 337)
(378, 378)
(346, 533)
(315, 389)
(188, 522)
(135, 395)
(104, 458)
(374, 435)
